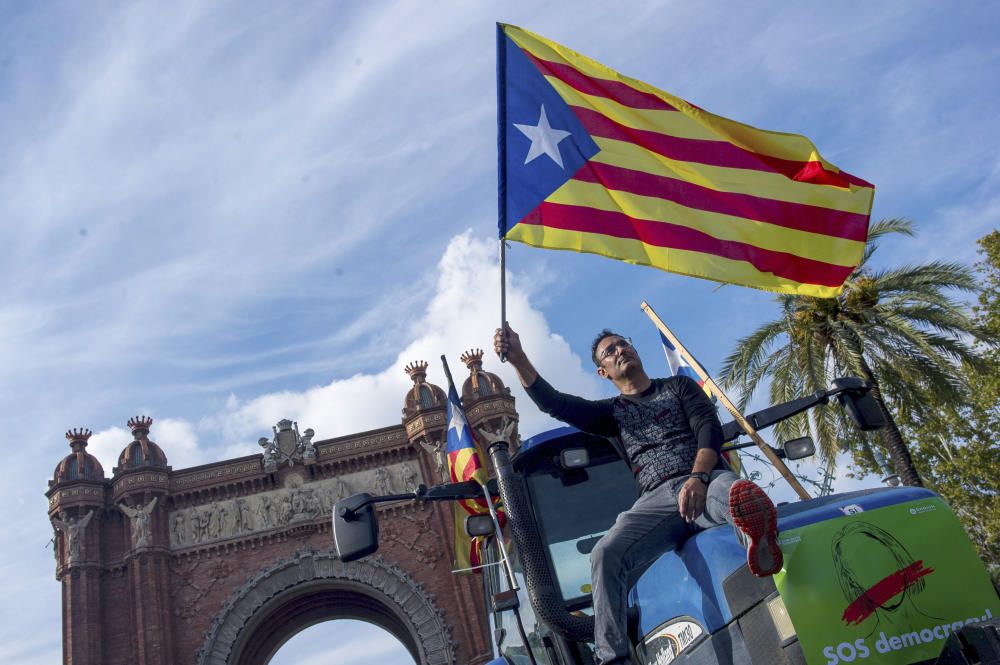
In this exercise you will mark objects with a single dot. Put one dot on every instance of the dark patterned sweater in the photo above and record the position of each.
(657, 432)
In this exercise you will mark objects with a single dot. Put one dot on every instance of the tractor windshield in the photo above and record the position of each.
(574, 508)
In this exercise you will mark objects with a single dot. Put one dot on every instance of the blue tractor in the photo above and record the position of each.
(882, 575)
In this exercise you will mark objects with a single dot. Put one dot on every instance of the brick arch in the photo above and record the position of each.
(177, 592)
(287, 597)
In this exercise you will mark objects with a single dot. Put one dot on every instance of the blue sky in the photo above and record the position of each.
(221, 214)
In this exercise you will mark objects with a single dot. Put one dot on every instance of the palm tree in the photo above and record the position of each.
(896, 328)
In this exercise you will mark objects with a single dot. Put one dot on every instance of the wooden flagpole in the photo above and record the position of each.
(747, 427)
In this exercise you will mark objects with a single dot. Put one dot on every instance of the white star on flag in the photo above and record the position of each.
(544, 139)
(458, 421)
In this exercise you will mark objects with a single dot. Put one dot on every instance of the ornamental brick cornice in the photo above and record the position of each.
(490, 407)
(214, 475)
(427, 420)
(140, 479)
(364, 442)
(78, 492)
(335, 466)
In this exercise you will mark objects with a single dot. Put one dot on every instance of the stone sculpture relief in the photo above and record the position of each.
(298, 502)
(140, 521)
(287, 446)
(504, 432)
(308, 449)
(72, 530)
(408, 478)
(436, 451)
(383, 482)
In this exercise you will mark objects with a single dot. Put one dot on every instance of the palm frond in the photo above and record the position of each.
(937, 275)
(888, 225)
(882, 228)
(749, 353)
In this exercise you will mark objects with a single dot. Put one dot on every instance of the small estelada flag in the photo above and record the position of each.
(680, 367)
(464, 464)
(594, 161)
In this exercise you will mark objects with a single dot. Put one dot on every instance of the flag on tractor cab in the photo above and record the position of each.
(680, 367)
(464, 464)
(594, 161)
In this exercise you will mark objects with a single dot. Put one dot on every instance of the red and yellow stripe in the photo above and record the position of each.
(681, 189)
(464, 464)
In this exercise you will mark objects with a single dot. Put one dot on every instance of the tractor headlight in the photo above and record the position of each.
(779, 615)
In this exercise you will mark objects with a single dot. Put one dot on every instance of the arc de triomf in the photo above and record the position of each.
(223, 563)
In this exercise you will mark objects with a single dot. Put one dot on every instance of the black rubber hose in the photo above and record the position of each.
(542, 589)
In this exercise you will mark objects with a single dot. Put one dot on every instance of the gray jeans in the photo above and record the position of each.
(652, 526)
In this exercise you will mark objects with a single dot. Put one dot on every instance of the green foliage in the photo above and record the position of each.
(898, 328)
(956, 446)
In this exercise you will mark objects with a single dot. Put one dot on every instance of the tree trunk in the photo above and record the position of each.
(892, 439)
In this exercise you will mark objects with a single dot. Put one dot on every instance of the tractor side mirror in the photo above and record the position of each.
(478, 525)
(859, 403)
(355, 527)
(799, 448)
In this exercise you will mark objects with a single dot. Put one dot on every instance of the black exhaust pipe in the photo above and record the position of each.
(542, 589)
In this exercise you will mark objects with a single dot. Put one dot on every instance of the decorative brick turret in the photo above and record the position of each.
(79, 464)
(423, 396)
(142, 452)
(489, 406)
(425, 410)
(480, 384)
(141, 486)
(76, 496)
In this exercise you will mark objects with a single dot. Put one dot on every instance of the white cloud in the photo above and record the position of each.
(107, 445)
(178, 436)
(175, 436)
(459, 315)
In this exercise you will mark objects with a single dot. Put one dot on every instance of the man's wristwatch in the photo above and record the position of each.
(702, 476)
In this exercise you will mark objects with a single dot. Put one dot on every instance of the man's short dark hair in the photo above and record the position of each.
(597, 340)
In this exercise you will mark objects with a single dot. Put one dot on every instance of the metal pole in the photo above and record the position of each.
(505, 562)
(503, 292)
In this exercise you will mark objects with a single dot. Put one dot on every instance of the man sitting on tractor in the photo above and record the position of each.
(669, 434)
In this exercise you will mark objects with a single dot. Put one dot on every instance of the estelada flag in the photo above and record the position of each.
(594, 161)
(464, 464)
(680, 367)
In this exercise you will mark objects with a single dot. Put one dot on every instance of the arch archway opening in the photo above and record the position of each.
(320, 604)
(346, 641)
(309, 588)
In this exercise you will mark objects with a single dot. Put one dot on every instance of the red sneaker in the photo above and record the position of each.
(755, 515)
